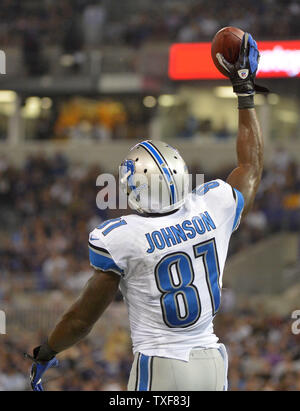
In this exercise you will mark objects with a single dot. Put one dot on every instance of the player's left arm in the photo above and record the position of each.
(75, 324)
(78, 321)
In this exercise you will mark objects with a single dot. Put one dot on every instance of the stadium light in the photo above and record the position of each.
(167, 100)
(46, 103)
(287, 116)
(227, 92)
(7, 96)
(273, 98)
(149, 101)
(32, 108)
(224, 92)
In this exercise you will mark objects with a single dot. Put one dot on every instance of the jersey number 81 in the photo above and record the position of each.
(182, 288)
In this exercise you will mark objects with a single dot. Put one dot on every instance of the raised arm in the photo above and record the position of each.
(247, 175)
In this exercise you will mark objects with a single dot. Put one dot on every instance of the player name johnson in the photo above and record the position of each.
(168, 236)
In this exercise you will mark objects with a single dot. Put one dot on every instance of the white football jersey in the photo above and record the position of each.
(171, 269)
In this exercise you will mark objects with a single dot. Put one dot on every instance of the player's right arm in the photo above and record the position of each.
(247, 175)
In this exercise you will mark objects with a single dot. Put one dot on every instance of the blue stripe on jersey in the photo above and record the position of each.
(103, 263)
(113, 226)
(165, 170)
(105, 223)
(239, 208)
(144, 373)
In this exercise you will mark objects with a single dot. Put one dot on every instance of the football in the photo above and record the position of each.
(227, 41)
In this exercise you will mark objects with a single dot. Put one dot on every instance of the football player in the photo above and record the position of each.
(168, 258)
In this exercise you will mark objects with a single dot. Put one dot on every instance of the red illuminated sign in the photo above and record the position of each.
(191, 61)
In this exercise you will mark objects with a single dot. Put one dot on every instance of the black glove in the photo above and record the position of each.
(43, 358)
(242, 73)
(43, 353)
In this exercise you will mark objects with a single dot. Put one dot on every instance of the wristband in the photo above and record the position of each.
(44, 352)
(245, 102)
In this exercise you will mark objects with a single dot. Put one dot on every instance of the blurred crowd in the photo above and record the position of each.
(78, 25)
(100, 362)
(47, 209)
(99, 120)
(264, 355)
(88, 119)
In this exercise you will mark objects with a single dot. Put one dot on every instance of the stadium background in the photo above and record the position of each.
(84, 81)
